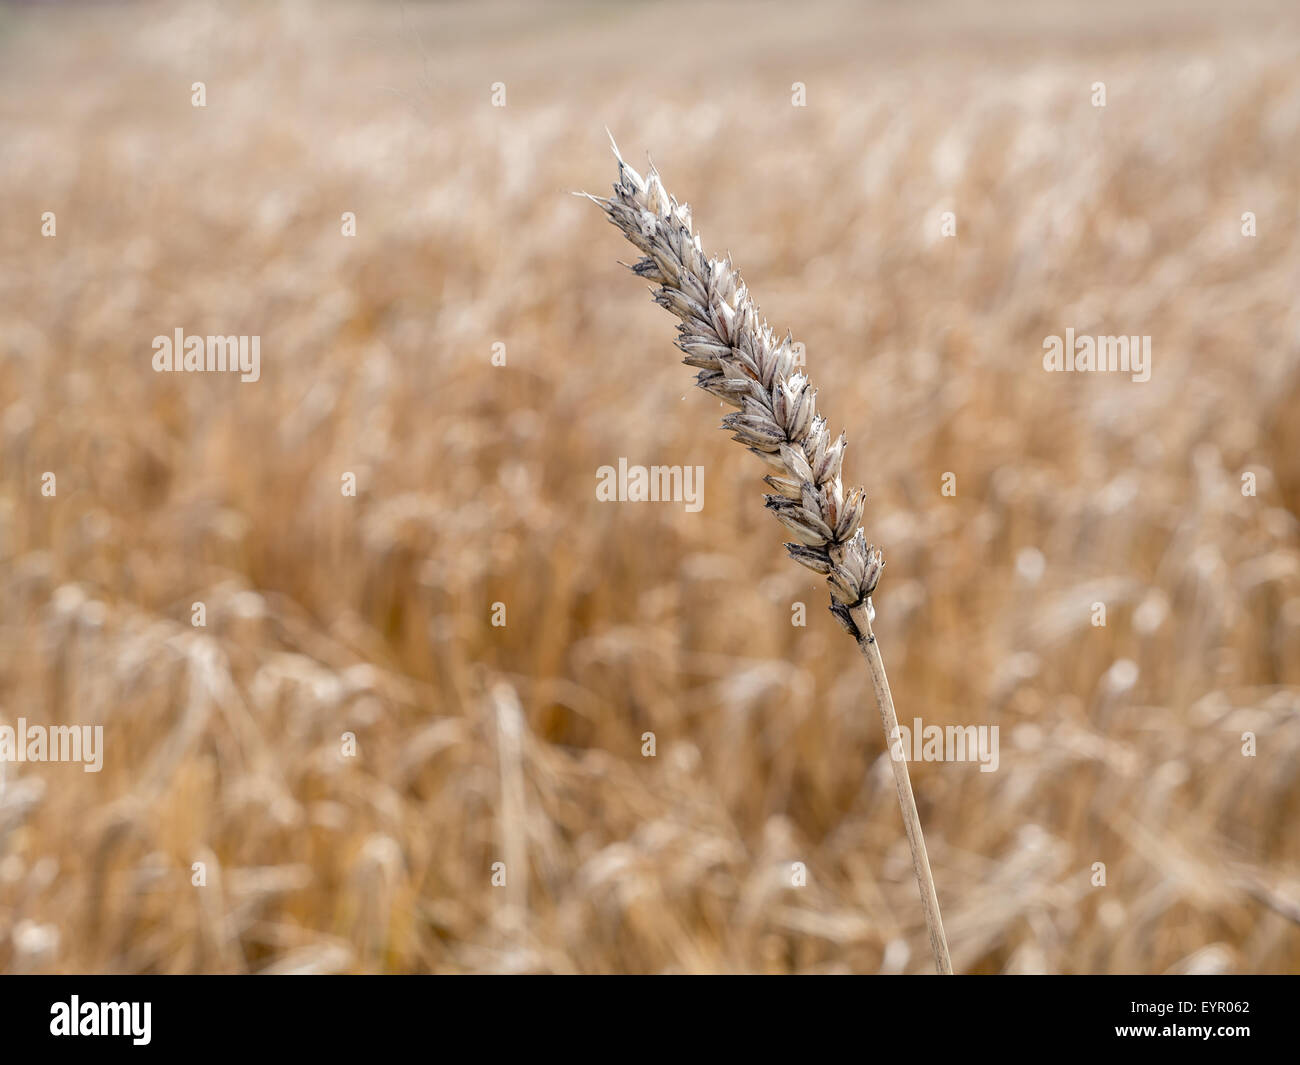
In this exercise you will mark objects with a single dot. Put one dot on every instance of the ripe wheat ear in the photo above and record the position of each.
(741, 361)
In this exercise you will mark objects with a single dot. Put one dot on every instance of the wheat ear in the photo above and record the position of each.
(741, 361)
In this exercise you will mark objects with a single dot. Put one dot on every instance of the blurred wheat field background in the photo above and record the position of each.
(373, 615)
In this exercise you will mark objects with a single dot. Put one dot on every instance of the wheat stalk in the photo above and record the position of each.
(741, 361)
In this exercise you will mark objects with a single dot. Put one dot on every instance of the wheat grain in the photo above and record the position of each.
(741, 361)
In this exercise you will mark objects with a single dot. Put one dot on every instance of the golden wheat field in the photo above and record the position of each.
(411, 732)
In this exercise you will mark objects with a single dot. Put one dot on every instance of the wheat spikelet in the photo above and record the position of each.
(741, 361)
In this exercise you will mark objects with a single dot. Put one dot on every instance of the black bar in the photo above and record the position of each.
(608, 1017)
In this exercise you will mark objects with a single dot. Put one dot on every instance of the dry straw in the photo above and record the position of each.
(742, 362)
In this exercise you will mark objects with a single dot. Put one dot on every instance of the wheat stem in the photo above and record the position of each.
(903, 782)
(742, 362)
